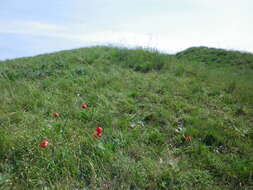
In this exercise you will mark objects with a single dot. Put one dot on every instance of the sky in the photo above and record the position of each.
(31, 27)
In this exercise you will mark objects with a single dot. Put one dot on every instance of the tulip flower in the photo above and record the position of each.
(56, 114)
(44, 144)
(84, 106)
(99, 129)
(98, 132)
(188, 138)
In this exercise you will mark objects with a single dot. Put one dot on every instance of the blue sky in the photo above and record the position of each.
(31, 27)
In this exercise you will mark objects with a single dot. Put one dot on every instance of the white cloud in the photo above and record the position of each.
(51, 30)
(224, 26)
(30, 28)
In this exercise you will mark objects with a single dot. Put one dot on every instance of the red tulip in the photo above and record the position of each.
(84, 106)
(44, 144)
(99, 129)
(99, 134)
(56, 114)
(189, 138)
(96, 135)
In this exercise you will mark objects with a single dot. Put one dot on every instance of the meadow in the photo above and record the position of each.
(181, 121)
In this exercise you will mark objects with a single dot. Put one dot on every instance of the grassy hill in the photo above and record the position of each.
(181, 121)
(217, 56)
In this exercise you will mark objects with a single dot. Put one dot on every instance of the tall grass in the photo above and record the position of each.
(146, 102)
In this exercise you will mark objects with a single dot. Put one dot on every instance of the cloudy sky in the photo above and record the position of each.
(30, 27)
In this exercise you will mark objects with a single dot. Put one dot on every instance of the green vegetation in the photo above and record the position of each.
(146, 102)
(217, 57)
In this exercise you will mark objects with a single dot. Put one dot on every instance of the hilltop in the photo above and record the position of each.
(182, 121)
(217, 56)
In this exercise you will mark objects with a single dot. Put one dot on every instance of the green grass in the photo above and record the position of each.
(146, 102)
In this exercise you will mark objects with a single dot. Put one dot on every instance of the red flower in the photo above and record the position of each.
(99, 132)
(56, 114)
(84, 106)
(96, 135)
(44, 144)
(99, 129)
(188, 138)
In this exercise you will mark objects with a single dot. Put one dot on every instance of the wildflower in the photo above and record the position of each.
(98, 132)
(56, 114)
(44, 144)
(188, 138)
(84, 106)
(99, 129)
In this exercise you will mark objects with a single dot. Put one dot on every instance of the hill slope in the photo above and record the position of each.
(217, 56)
(169, 121)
